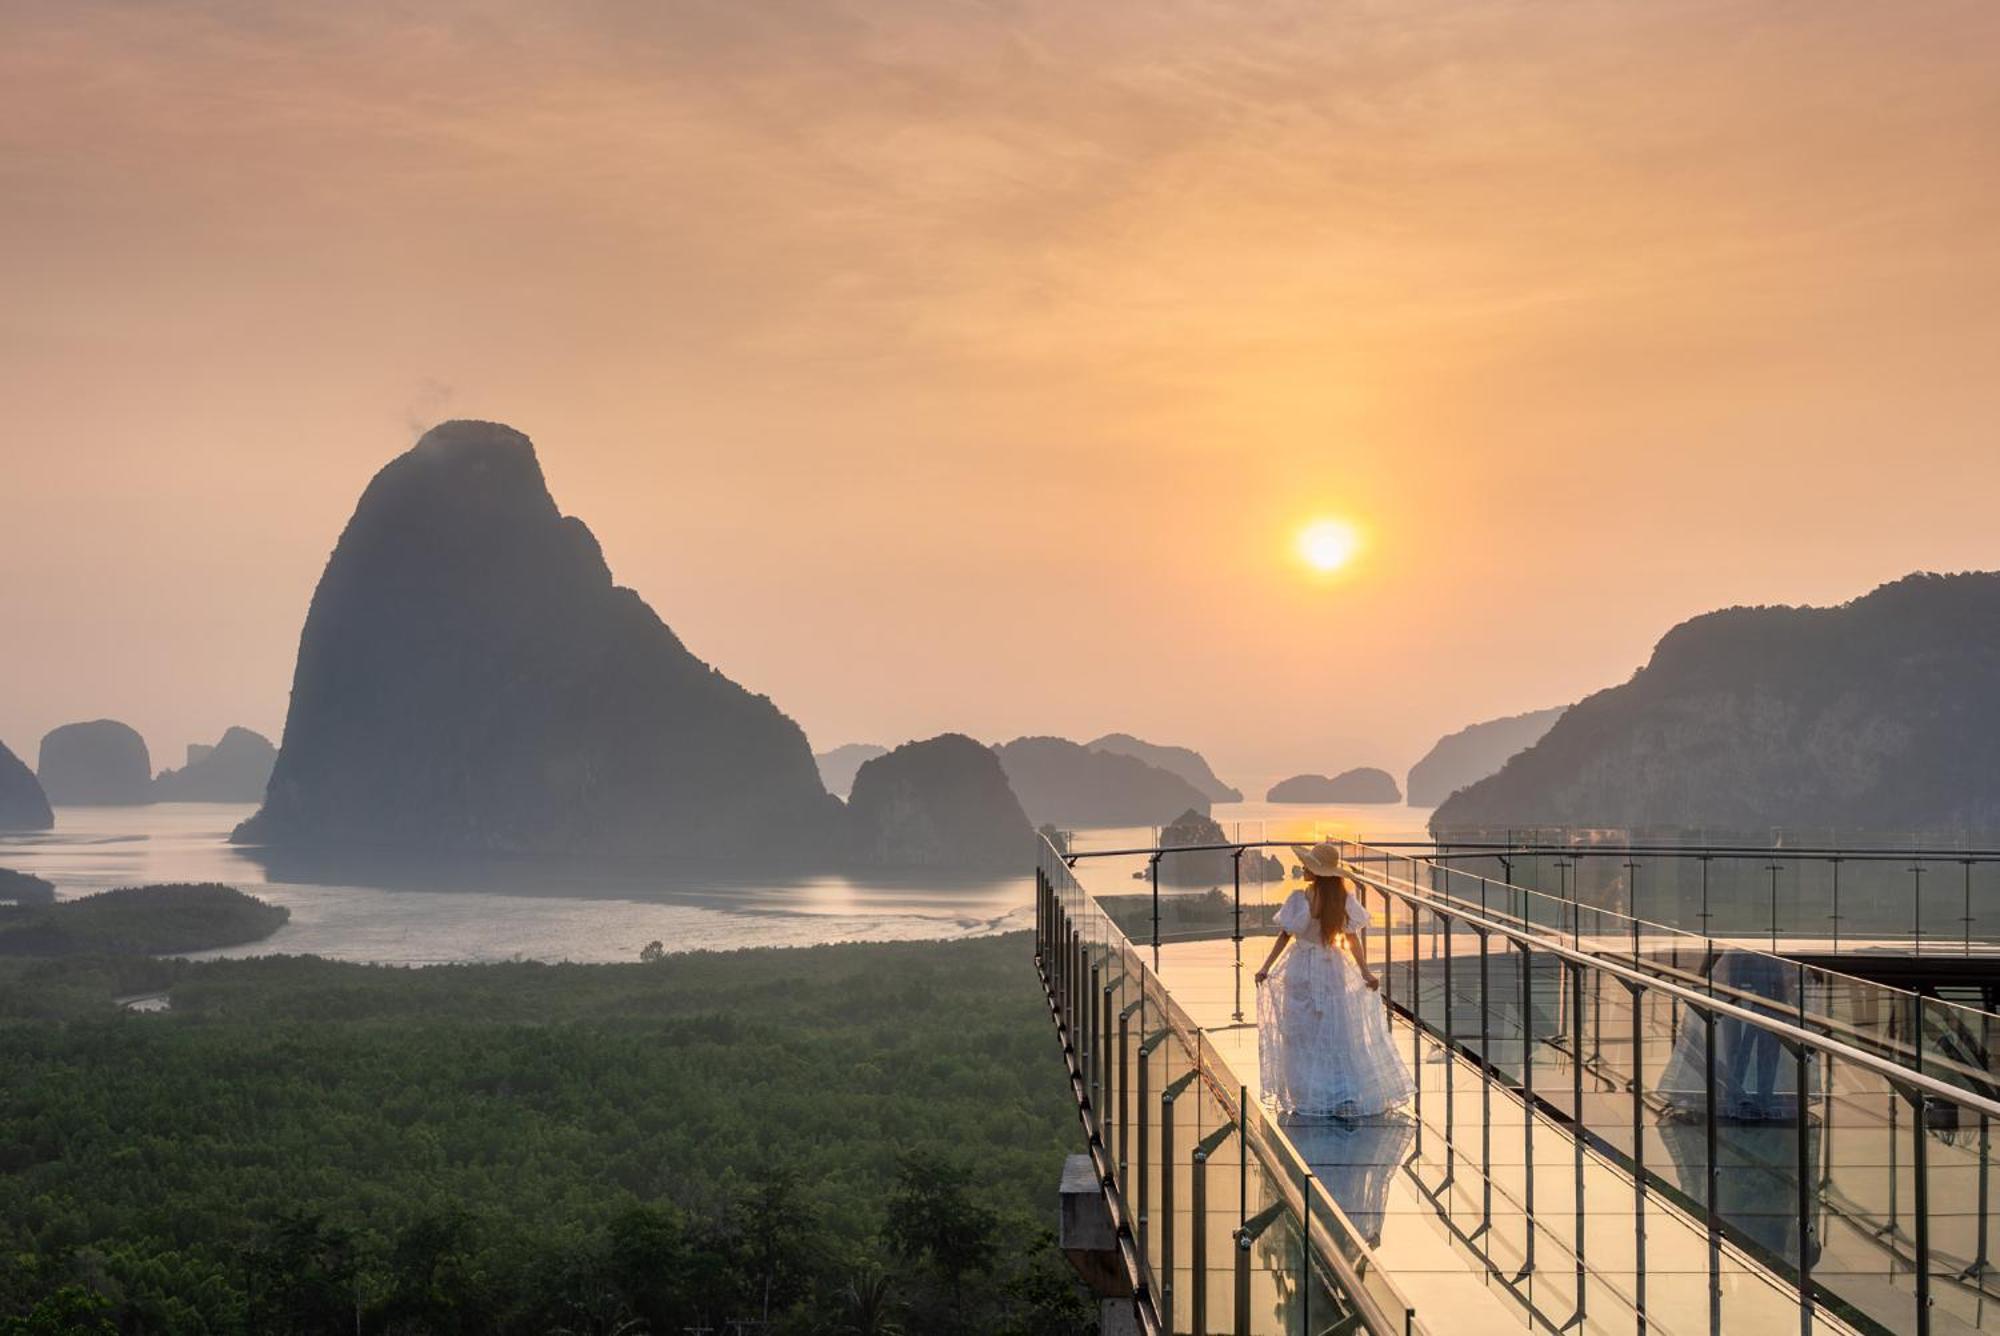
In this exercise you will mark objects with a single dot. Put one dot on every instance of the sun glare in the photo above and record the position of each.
(1328, 545)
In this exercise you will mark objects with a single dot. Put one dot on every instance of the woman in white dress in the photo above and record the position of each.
(1322, 1030)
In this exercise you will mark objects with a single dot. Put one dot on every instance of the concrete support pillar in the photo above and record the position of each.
(1091, 1244)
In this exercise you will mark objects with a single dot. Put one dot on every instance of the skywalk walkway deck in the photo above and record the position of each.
(1611, 1194)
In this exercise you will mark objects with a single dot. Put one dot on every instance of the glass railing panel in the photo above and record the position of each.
(1985, 925)
(1958, 1155)
(1271, 1262)
(1956, 1044)
(1878, 901)
(1944, 906)
(1867, 1197)
(1808, 926)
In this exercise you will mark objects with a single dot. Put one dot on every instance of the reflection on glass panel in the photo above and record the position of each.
(1752, 1083)
(1354, 1162)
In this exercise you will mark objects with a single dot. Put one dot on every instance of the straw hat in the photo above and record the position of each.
(1322, 859)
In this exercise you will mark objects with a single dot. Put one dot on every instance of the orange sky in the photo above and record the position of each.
(973, 366)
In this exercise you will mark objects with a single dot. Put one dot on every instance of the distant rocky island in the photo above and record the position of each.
(837, 766)
(942, 803)
(23, 805)
(1189, 764)
(234, 770)
(1065, 783)
(140, 920)
(1364, 784)
(1474, 752)
(99, 763)
(1210, 867)
(1882, 714)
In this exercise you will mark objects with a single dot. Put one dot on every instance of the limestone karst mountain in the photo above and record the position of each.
(98, 763)
(234, 770)
(1473, 753)
(837, 766)
(23, 805)
(944, 803)
(1363, 784)
(1062, 782)
(1882, 714)
(471, 680)
(1186, 762)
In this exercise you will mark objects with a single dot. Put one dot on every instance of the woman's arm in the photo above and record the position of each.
(1277, 949)
(1360, 961)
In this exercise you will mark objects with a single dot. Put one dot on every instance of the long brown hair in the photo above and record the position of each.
(1328, 898)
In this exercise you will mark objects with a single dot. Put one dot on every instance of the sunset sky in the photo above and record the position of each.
(970, 366)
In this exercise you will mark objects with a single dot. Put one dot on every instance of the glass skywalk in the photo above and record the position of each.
(1635, 1157)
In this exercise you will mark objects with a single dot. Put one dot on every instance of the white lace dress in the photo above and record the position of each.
(1322, 1033)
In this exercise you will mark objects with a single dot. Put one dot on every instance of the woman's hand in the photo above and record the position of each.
(1263, 974)
(1374, 984)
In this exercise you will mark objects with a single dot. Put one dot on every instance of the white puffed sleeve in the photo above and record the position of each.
(1358, 917)
(1295, 913)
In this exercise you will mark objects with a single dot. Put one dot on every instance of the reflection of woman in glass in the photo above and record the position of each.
(1751, 1084)
(1322, 1032)
(1354, 1162)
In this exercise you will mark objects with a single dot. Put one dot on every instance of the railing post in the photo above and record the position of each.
(1775, 869)
(1167, 1204)
(1153, 868)
(1968, 906)
(1638, 1083)
(1576, 1113)
(1041, 911)
(1920, 1166)
(1703, 916)
(1075, 987)
(1388, 942)
(1236, 929)
(1246, 1237)
(1125, 1081)
(1105, 1049)
(1485, 1084)
(1417, 1018)
(1305, 1255)
(1243, 1246)
(1167, 1211)
(1198, 1239)
(1713, 1212)
(1198, 1192)
(1143, 1233)
(1802, 1123)
(1450, 1050)
(1916, 908)
(1528, 1100)
(1091, 1054)
(1980, 1264)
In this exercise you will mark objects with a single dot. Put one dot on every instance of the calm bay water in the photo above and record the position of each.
(539, 914)
(532, 915)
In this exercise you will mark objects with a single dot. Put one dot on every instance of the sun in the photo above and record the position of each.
(1328, 545)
